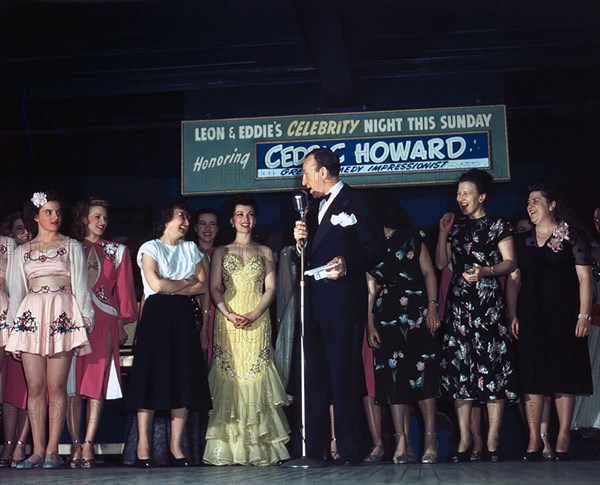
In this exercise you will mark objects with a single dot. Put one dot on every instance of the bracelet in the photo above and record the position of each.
(206, 312)
(587, 316)
(492, 270)
(434, 301)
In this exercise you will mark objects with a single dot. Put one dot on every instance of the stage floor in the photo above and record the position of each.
(580, 472)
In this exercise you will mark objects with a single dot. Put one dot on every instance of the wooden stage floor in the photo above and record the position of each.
(510, 472)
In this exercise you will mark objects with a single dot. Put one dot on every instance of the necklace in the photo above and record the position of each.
(544, 234)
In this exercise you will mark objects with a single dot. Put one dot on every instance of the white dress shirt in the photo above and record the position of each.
(324, 204)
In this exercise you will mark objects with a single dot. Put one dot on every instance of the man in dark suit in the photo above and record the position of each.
(340, 230)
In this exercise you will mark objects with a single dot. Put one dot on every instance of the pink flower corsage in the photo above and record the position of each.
(559, 234)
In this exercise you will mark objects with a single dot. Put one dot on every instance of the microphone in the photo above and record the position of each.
(300, 200)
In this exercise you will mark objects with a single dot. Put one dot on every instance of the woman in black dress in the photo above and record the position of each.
(476, 350)
(402, 332)
(168, 371)
(551, 316)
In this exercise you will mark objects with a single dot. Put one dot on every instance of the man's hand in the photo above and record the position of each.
(338, 271)
(300, 232)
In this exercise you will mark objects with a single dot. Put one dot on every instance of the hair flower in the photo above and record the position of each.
(39, 199)
(559, 234)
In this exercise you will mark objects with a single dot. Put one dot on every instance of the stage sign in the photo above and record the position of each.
(383, 148)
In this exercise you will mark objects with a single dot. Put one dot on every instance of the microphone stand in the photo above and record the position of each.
(303, 461)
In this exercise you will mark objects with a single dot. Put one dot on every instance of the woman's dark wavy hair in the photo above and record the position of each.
(207, 210)
(165, 216)
(551, 194)
(241, 199)
(388, 211)
(482, 180)
(30, 210)
(7, 227)
(81, 210)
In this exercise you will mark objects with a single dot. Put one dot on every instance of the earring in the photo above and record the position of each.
(550, 210)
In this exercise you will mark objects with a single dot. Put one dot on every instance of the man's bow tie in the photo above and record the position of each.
(325, 198)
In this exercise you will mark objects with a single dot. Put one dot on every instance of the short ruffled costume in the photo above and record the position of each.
(50, 306)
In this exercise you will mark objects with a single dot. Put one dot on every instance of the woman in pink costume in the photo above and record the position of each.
(50, 312)
(113, 296)
(15, 422)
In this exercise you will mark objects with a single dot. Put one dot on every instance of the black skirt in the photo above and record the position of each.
(168, 370)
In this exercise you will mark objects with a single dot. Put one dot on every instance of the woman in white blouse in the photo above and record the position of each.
(168, 371)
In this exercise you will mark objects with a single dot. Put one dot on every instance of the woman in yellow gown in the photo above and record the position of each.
(247, 425)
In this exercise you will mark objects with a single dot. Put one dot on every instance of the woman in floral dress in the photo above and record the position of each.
(98, 375)
(50, 312)
(403, 329)
(551, 316)
(476, 351)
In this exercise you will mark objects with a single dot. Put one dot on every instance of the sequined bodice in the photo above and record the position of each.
(243, 276)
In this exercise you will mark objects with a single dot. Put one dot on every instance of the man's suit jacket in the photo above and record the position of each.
(361, 244)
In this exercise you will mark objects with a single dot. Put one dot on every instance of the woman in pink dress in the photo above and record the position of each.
(15, 422)
(98, 375)
(50, 312)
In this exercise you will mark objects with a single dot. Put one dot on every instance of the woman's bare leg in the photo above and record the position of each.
(463, 415)
(34, 367)
(373, 412)
(534, 404)
(178, 420)
(58, 370)
(565, 404)
(144, 420)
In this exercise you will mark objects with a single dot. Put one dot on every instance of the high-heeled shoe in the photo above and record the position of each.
(461, 456)
(475, 454)
(333, 452)
(14, 462)
(178, 462)
(547, 455)
(401, 458)
(561, 456)
(53, 461)
(88, 462)
(143, 462)
(5, 462)
(74, 462)
(430, 456)
(29, 463)
(532, 455)
(493, 456)
(374, 457)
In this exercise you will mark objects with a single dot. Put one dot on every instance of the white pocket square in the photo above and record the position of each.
(343, 219)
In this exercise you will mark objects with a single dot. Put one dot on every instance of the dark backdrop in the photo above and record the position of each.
(93, 92)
